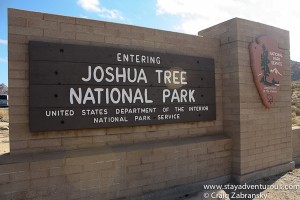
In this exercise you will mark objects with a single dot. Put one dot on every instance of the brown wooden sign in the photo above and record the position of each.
(77, 86)
(267, 68)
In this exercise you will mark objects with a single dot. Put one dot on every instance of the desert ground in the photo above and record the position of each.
(4, 126)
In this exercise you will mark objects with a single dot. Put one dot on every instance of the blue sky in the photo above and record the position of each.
(186, 16)
(141, 13)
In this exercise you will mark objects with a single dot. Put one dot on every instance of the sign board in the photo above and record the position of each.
(267, 68)
(78, 86)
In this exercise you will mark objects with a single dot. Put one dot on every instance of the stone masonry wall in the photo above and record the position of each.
(109, 163)
(114, 172)
(230, 86)
(25, 26)
(261, 136)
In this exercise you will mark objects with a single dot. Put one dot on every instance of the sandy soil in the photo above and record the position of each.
(3, 124)
(287, 179)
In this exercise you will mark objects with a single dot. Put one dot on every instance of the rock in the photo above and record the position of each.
(4, 128)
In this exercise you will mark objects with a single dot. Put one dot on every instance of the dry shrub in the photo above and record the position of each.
(294, 121)
(295, 103)
(4, 113)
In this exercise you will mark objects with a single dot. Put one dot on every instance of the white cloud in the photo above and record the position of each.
(111, 14)
(94, 6)
(3, 41)
(3, 60)
(90, 5)
(196, 15)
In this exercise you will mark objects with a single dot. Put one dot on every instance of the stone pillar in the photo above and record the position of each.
(262, 137)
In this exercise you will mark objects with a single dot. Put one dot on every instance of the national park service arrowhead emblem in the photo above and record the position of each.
(267, 68)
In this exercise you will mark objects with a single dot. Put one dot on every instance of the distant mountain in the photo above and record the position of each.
(3, 88)
(295, 70)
